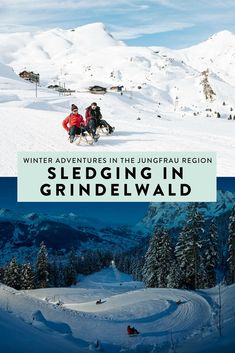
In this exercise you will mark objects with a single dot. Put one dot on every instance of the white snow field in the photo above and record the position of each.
(18, 336)
(163, 106)
(79, 322)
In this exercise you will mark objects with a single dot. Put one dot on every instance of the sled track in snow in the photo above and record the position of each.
(153, 311)
(156, 307)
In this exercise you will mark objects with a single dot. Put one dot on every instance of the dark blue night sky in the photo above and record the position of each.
(127, 212)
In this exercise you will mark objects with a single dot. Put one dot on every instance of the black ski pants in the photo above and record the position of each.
(74, 130)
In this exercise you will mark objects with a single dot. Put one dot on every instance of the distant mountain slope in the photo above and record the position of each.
(53, 51)
(173, 215)
(22, 234)
(216, 53)
(81, 56)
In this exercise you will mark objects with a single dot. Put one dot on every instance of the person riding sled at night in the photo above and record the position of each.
(132, 330)
(74, 124)
(94, 119)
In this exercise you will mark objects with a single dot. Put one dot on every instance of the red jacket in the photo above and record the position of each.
(130, 330)
(72, 120)
(88, 116)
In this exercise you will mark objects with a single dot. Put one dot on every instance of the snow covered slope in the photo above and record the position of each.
(21, 235)
(8, 73)
(50, 51)
(154, 312)
(10, 84)
(163, 106)
(18, 336)
(173, 215)
(217, 53)
(38, 123)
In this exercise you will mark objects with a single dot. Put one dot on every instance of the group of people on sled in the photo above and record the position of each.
(75, 124)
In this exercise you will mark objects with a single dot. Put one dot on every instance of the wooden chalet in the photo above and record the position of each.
(116, 88)
(98, 90)
(29, 76)
(55, 87)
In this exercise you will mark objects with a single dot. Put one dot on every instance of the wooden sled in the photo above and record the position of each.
(102, 130)
(84, 138)
(133, 334)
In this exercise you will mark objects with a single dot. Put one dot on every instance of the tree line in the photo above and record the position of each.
(196, 259)
(52, 273)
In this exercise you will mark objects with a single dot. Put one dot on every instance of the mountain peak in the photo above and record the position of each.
(94, 36)
(222, 34)
(172, 215)
(216, 42)
(92, 26)
(33, 216)
(5, 212)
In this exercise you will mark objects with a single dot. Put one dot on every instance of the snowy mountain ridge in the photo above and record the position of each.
(225, 202)
(216, 53)
(173, 215)
(21, 234)
(79, 56)
(67, 218)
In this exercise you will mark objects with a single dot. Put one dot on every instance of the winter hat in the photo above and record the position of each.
(73, 106)
(94, 103)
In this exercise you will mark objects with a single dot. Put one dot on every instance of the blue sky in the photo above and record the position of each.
(173, 23)
(121, 212)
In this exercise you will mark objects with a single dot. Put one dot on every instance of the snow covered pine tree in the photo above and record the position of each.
(158, 260)
(27, 277)
(42, 274)
(12, 277)
(211, 254)
(188, 251)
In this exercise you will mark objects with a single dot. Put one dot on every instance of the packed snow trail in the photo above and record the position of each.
(153, 312)
(192, 325)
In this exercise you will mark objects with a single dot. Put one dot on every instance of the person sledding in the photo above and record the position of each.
(132, 331)
(94, 119)
(74, 123)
